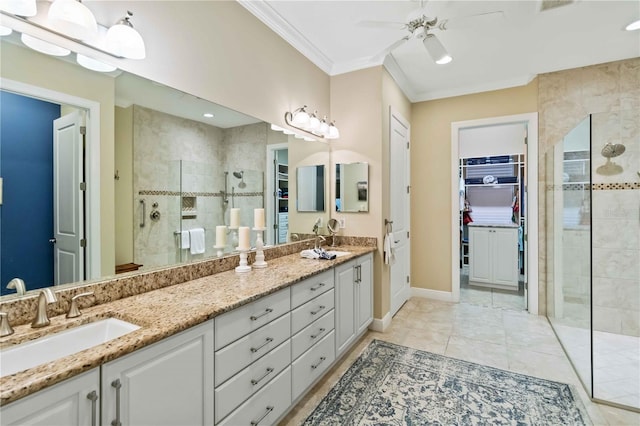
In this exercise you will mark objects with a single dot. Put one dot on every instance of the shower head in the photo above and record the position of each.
(239, 174)
(612, 150)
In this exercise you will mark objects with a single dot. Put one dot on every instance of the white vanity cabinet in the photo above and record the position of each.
(73, 402)
(167, 383)
(493, 257)
(354, 300)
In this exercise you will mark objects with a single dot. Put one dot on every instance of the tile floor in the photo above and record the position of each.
(504, 338)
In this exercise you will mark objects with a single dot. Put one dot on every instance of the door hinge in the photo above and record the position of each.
(407, 279)
(83, 186)
(407, 145)
(83, 242)
(83, 130)
(408, 189)
(407, 234)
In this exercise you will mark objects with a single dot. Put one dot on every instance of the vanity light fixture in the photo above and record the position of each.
(94, 64)
(5, 31)
(309, 124)
(123, 40)
(19, 7)
(635, 25)
(43, 46)
(73, 19)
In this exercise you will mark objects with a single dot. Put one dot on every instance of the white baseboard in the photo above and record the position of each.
(444, 296)
(381, 325)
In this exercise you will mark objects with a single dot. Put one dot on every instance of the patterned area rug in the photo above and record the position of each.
(395, 385)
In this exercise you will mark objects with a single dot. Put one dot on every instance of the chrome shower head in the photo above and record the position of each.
(611, 150)
(240, 175)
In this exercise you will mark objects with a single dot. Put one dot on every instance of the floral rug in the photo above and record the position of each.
(395, 385)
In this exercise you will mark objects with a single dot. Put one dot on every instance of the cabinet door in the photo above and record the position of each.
(168, 383)
(65, 404)
(505, 257)
(479, 254)
(344, 306)
(365, 293)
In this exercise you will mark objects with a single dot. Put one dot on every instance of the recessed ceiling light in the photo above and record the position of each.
(635, 25)
(208, 115)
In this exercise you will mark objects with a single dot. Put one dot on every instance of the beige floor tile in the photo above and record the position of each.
(491, 354)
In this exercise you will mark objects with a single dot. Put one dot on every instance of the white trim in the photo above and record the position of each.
(92, 163)
(381, 325)
(531, 119)
(443, 296)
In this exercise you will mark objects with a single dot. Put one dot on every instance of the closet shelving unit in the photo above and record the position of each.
(282, 201)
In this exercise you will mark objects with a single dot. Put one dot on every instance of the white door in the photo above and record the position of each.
(68, 199)
(400, 203)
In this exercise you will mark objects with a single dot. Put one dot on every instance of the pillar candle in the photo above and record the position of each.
(235, 218)
(258, 218)
(243, 238)
(221, 236)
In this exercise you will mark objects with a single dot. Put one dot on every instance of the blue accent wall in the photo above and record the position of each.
(26, 214)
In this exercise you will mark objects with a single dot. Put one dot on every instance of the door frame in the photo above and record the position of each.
(92, 162)
(531, 121)
(271, 174)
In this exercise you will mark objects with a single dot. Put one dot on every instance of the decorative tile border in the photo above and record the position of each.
(196, 194)
(616, 186)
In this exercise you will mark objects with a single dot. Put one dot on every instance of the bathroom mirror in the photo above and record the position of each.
(310, 188)
(352, 187)
(154, 175)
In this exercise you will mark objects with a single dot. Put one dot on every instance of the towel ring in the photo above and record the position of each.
(388, 224)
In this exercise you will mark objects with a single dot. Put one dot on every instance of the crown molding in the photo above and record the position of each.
(273, 20)
(430, 95)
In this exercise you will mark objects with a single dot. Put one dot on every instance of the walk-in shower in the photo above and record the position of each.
(593, 246)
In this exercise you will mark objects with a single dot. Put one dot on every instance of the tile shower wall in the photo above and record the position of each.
(174, 156)
(564, 99)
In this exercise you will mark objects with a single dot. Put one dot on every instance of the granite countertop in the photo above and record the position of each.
(494, 225)
(160, 314)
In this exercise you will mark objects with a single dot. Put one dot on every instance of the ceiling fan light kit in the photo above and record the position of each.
(436, 50)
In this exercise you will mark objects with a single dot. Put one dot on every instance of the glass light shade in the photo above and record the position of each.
(635, 25)
(308, 139)
(94, 64)
(334, 133)
(300, 118)
(436, 50)
(324, 128)
(314, 123)
(19, 7)
(44, 46)
(123, 40)
(72, 18)
(4, 31)
(276, 128)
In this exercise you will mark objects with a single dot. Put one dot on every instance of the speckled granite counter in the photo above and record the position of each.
(160, 314)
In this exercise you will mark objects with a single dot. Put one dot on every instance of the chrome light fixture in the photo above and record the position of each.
(310, 124)
(436, 50)
(123, 40)
(73, 19)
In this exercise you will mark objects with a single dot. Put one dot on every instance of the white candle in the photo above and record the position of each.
(221, 236)
(235, 218)
(243, 238)
(258, 218)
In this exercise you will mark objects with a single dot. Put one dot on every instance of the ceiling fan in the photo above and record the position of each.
(421, 26)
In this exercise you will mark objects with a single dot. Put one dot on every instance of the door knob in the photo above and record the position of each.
(52, 240)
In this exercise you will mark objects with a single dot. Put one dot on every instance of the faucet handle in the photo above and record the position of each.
(5, 327)
(73, 309)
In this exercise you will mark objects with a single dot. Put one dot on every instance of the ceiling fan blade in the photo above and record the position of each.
(389, 49)
(471, 21)
(382, 24)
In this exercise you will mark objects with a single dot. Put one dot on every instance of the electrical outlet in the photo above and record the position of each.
(343, 223)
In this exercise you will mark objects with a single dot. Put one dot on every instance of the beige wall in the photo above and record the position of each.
(26, 66)
(123, 200)
(431, 174)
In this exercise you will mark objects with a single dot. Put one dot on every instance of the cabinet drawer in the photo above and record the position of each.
(310, 288)
(266, 406)
(238, 355)
(234, 324)
(312, 364)
(311, 311)
(312, 334)
(251, 380)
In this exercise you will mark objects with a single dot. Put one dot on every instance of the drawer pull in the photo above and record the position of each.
(317, 287)
(314, 366)
(313, 336)
(256, 381)
(93, 397)
(321, 307)
(256, 422)
(256, 317)
(267, 341)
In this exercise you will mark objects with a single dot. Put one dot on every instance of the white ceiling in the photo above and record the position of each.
(491, 52)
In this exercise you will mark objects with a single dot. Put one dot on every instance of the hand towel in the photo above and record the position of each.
(197, 240)
(309, 254)
(388, 247)
(462, 193)
(184, 240)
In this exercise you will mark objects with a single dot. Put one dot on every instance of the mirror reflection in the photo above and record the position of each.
(310, 185)
(352, 187)
(175, 176)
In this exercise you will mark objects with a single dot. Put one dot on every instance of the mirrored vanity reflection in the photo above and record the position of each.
(352, 187)
(310, 186)
(176, 175)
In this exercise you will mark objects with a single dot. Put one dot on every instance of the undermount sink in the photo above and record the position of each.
(54, 346)
(338, 253)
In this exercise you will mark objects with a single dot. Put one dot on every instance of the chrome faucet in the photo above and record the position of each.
(319, 240)
(18, 285)
(41, 319)
(5, 327)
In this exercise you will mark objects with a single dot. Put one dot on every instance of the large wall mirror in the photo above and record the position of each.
(310, 185)
(352, 187)
(175, 174)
